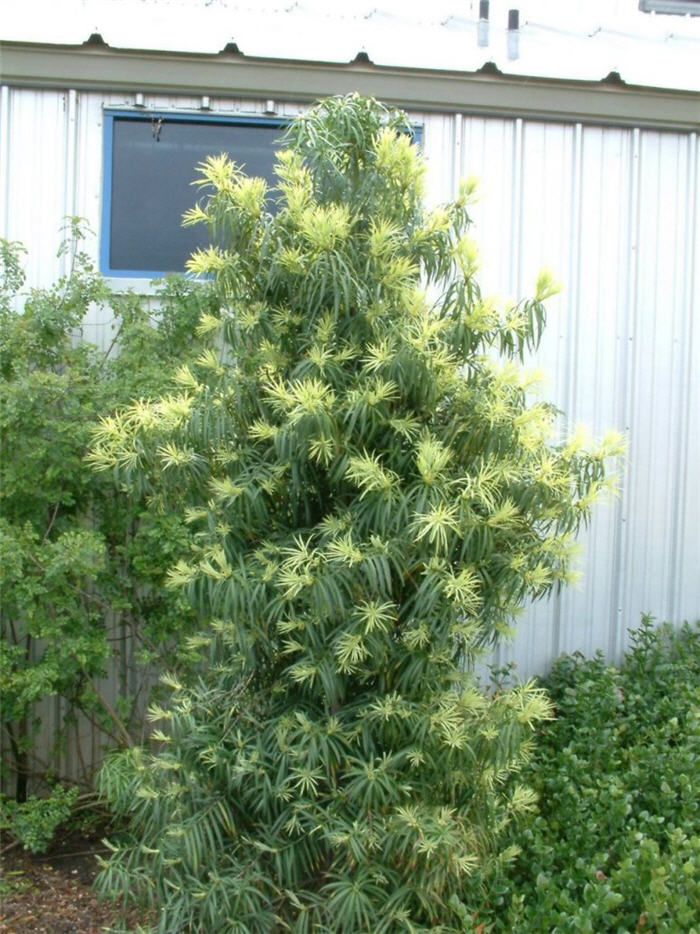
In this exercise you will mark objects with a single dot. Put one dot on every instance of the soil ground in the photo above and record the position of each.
(52, 894)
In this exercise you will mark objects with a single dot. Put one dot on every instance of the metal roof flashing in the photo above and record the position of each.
(97, 66)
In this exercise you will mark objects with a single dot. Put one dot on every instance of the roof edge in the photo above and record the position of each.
(99, 67)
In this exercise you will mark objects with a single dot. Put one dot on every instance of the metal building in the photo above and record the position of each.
(599, 179)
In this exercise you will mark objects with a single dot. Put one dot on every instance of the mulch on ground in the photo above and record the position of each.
(52, 894)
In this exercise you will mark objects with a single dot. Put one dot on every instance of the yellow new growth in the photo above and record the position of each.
(578, 441)
(531, 703)
(208, 324)
(466, 255)
(302, 397)
(468, 189)
(325, 226)
(219, 172)
(292, 260)
(437, 220)
(523, 799)
(381, 390)
(505, 516)
(215, 564)
(483, 315)
(171, 456)
(398, 273)
(225, 488)
(173, 410)
(322, 449)
(397, 157)
(193, 216)
(463, 589)
(376, 615)
(185, 377)
(546, 285)
(248, 194)
(378, 355)
(612, 444)
(384, 238)
(295, 182)
(367, 473)
(436, 523)
(535, 427)
(389, 706)
(204, 262)
(343, 549)
(209, 361)
(432, 459)
(350, 651)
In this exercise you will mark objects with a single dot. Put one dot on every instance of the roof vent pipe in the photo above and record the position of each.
(482, 27)
(513, 35)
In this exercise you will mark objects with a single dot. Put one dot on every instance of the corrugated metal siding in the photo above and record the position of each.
(614, 211)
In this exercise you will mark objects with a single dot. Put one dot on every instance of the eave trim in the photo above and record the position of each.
(102, 68)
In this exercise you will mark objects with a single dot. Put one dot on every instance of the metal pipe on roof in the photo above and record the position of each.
(513, 35)
(482, 27)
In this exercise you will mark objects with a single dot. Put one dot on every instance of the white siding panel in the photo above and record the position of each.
(687, 576)
(489, 154)
(4, 156)
(630, 358)
(613, 211)
(591, 382)
(34, 197)
(439, 149)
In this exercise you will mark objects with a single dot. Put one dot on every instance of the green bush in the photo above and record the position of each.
(81, 562)
(616, 844)
(33, 822)
(372, 498)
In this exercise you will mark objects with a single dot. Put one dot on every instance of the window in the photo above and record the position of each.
(149, 163)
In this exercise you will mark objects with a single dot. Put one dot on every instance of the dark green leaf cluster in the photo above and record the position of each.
(372, 497)
(616, 843)
(34, 822)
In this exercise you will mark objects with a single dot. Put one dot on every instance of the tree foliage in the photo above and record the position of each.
(372, 498)
(81, 562)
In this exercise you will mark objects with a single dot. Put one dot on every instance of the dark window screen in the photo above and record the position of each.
(152, 169)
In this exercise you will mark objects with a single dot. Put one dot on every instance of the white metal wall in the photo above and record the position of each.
(613, 211)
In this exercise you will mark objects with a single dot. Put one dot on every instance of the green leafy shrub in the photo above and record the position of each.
(372, 498)
(616, 843)
(34, 821)
(81, 562)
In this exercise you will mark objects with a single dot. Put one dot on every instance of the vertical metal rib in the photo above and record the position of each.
(516, 210)
(458, 139)
(686, 428)
(4, 160)
(70, 176)
(622, 561)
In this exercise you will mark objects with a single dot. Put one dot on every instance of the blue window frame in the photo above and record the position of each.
(149, 164)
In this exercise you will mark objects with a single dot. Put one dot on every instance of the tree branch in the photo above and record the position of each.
(116, 719)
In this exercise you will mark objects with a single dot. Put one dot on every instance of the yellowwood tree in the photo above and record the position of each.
(373, 499)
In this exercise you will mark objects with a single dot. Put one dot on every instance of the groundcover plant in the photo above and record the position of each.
(373, 498)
